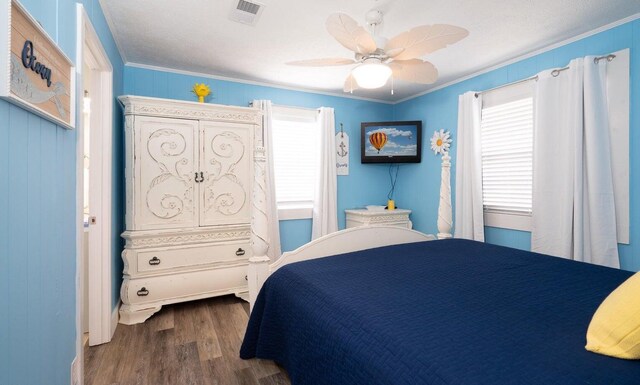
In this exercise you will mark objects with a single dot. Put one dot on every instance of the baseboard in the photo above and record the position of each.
(75, 372)
(115, 317)
(243, 295)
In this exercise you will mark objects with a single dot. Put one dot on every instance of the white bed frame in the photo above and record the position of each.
(340, 242)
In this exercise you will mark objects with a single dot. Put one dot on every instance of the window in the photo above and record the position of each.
(296, 159)
(507, 156)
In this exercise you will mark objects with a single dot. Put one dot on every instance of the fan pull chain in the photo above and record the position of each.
(391, 84)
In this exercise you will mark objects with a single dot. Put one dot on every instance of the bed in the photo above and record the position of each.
(430, 312)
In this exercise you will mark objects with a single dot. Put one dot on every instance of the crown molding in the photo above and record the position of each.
(348, 96)
(253, 82)
(113, 30)
(526, 56)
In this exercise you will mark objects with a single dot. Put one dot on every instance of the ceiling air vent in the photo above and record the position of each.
(246, 12)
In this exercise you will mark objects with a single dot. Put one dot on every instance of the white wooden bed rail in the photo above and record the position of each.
(340, 242)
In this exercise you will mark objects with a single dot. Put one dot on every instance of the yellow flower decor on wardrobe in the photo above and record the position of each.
(440, 142)
(201, 91)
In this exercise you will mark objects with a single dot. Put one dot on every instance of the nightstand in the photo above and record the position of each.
(364, 217)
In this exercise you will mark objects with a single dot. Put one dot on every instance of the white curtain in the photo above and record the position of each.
(469, 221)
(270, 205)
(325, 207)
(573, 199)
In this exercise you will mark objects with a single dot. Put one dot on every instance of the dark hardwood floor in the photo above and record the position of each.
(195, 342)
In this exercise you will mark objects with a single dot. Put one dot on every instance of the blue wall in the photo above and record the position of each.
(439, 110)
(365, 184)
(38, 220)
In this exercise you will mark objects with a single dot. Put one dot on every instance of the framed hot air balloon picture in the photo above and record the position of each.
(391, 142)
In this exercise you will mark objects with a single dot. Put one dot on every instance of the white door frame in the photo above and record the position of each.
(101, 326)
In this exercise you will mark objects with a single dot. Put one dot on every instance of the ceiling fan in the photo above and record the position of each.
(379, 58)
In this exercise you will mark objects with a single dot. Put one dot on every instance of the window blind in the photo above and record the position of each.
(507, 156)
(296, 156)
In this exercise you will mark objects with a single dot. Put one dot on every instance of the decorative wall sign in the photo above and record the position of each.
(34, 72)
(342, 152)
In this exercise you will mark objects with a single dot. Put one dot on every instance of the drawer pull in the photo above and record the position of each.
(143, 292)
(154, 261)
(240, 251)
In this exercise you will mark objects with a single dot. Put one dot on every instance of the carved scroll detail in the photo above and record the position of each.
(168, 155)
(224, 191)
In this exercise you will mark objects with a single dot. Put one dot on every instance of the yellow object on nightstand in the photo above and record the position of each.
(615, 327)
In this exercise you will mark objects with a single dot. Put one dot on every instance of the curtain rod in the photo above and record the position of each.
(296, 107)
(596, 60)
(283, 106)
(507, 85)
(554, 73)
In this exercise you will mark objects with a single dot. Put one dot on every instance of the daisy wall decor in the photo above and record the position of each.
(440, 142)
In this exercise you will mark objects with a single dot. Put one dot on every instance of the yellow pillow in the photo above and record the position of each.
(615, 327)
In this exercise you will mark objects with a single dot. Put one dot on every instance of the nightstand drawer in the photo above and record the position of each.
(158, 260)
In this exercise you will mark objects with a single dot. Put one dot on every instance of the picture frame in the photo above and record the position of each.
(35, 73)
(391, 142)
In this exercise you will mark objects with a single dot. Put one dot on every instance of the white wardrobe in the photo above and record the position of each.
(189, 175)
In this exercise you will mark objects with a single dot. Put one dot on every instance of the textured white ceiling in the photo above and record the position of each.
(196, 35)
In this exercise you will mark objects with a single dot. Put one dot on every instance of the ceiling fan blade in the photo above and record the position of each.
(414, 71)
(350, 84)
(324, 62)
(348, 33)
(423, 40)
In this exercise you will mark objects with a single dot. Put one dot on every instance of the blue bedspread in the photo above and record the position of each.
(439, 312)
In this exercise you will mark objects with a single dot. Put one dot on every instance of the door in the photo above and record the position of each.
(166, 165)
(91, 188)
(94, 190)
(226, 164)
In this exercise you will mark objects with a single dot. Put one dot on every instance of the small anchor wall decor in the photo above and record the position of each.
(342, 149)
(342, 152)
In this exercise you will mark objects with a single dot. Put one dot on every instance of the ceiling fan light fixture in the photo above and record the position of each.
(379, 58)
(371, 74)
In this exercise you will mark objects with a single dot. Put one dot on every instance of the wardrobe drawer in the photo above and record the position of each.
(163, 259)
(185, 286)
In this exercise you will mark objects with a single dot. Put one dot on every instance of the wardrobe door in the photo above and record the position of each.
(165, 165)
(226, 163)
